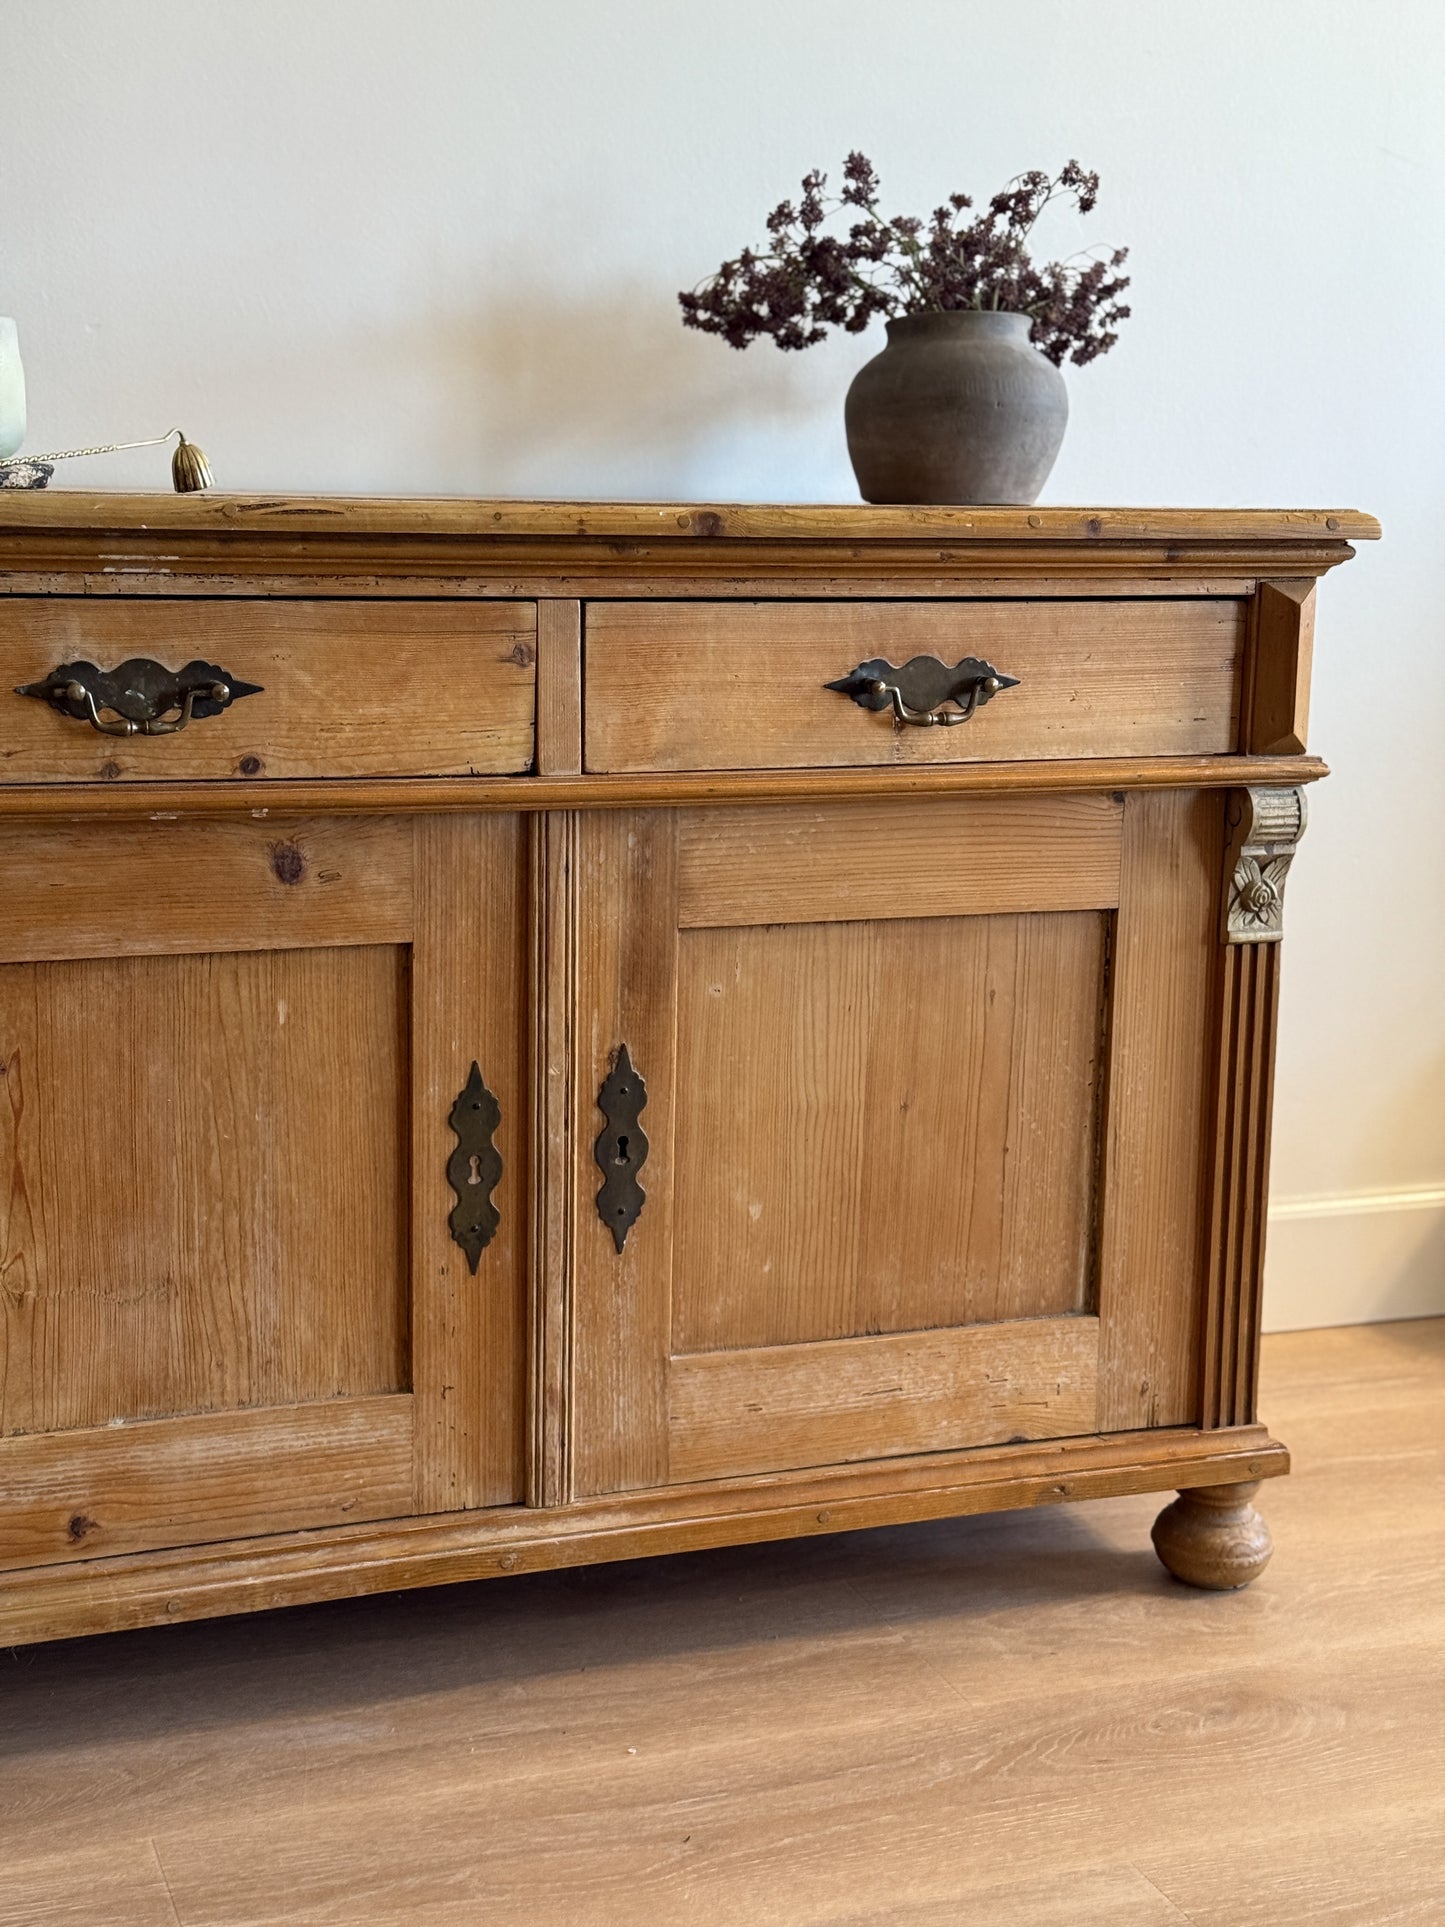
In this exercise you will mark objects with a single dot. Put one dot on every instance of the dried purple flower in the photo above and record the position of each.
(813, 280)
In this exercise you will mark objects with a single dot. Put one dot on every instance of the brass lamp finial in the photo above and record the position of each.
(190, 471)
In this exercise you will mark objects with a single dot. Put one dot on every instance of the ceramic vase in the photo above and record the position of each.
(959, 407)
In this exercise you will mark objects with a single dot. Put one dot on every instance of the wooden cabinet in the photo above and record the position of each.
(232, 1305)
(887, 1047)
(324, 689)
(520, 1066)
(709, 685)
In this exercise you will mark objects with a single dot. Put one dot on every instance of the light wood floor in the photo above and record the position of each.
(993, 1721)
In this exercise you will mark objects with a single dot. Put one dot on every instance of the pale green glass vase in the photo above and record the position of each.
(12, 390)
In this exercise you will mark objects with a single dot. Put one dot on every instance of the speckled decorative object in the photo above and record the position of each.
(26, 474)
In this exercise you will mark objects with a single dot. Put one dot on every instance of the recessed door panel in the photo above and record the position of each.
(207, 1183)
(233, 1295)
(884, 1127)
(776, 1408)
(925, 1107)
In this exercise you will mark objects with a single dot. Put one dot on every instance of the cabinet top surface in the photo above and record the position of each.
(277, 515)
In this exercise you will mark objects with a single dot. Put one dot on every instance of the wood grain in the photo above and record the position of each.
(135, 547)
(997, 1683)
(469, 1331)
(776, 1408)
(695, 686)
(1246, 1026)
(884, 1127)
(250, 1575)
(559, 687)
(782, 1224)
(422, 796)
(872, 977)
(182, 1228)
(287, 516)
(536, 568)
(945, 858)
(114, 1489)
(350, 688)
(1151, 1245)
(82, 889)
(303, 575)
(556, 1152)
(59, 1889)
(1214, 1539)
(1283, 650)
(626, 994)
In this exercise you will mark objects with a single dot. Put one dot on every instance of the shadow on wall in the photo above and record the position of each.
(608, 396)
(528, 394)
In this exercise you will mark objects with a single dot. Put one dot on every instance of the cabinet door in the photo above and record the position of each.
(230, 1300)
(924, 1094)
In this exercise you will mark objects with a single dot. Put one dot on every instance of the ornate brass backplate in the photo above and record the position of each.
(621, 1147)
(140, 697)
(474, 1168)
(918, 690)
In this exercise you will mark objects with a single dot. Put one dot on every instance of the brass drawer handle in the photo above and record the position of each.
(917, 692)
(142, 697)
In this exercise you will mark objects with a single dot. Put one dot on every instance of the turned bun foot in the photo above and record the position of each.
(1211, 1536)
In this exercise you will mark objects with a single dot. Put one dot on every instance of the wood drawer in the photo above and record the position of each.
(441, 688)
(741, 685)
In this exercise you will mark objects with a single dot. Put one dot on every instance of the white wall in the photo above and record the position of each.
(432, 246)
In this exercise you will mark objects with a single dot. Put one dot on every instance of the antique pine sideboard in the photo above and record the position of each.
(537, 1032)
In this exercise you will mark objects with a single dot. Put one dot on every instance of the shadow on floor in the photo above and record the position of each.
(398, 1646)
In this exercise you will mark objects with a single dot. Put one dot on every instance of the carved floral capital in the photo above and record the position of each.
(1265, 827)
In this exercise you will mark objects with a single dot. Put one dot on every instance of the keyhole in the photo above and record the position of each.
(474, 1169)
(621, 1157)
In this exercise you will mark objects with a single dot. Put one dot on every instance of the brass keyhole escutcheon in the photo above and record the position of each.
(621, 1147)
(474, 1168)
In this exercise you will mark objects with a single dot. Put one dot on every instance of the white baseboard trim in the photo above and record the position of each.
(1355, 1258)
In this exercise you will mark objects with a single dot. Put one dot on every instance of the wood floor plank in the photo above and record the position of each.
(119, 1883)
(1017, 1718)
(1390, 1873)
(1062, 1898)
